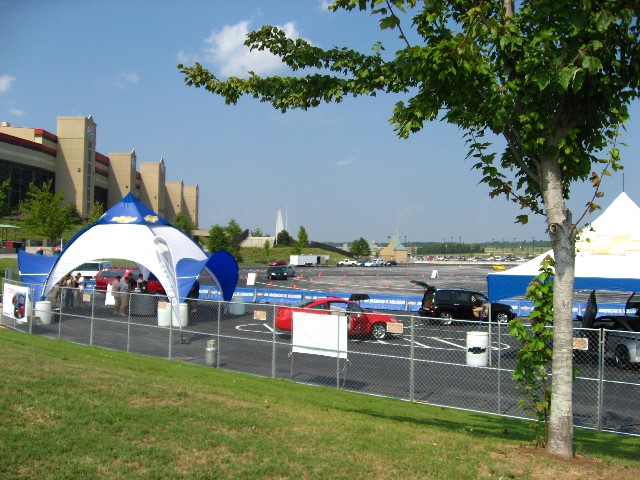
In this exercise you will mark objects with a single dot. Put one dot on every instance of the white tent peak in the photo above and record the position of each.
(607, 256)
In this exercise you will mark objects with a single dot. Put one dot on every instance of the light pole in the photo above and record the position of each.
(533, 247)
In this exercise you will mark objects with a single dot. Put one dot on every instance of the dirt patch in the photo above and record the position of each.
(536, 463)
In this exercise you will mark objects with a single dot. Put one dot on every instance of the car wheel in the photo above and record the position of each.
(445, 318)
(621, 358)
(502, 318)
(379, 331)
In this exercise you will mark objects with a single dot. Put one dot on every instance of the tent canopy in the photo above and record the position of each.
(607, 256)
(132, 231)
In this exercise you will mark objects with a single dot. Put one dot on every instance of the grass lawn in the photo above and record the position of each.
(71, 411)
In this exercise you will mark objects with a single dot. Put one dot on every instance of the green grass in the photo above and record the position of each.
(71, 411)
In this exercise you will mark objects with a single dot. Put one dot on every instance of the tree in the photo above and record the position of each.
(45, 213)
(257, 233)
(303, 238)
(183, 222)
(218, 239)
(97, 210)
(4, 197)
(267, 248)
(553, 80)
(360, 248)
(284, 239)
(233, 229)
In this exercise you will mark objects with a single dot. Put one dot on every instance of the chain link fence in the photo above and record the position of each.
(465, 365)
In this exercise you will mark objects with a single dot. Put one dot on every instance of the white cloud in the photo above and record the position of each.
(345, 162)
(17, 112)
(324, 5)
(123, 80)
(226, 50)
(5, 83)
(186, 58)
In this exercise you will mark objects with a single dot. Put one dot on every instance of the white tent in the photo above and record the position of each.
(132, 231)
(607, 256)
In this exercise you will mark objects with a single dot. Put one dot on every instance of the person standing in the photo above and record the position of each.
(193, 296)
(69, 286)
(125, 290)
(115, 291)
(80, 289)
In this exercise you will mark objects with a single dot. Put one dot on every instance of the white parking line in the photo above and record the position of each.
(448, 343)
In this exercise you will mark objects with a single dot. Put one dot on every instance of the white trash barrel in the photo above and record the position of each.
(164, 314)
(477, 349)
(184, 316)
(43, 310)
(236, 307)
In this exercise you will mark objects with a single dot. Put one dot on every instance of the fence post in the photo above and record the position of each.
(170, 338)
(93, 312)
(273, 341)
(218, 335)
(499, 371)
(412, 373)
(601, 347)
(130, 295)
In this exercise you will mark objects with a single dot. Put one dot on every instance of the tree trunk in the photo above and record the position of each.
(563, 239)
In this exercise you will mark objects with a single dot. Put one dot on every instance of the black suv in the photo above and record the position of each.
(447, 304)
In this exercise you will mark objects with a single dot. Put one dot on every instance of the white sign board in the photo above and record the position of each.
(320, 334)
(14, 301)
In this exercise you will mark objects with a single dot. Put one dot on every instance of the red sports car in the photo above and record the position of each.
(274, 263)
(361, 321)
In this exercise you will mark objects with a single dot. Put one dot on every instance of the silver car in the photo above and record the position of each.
(621, 333)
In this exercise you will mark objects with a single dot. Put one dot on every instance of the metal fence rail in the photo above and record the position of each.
(428, 362)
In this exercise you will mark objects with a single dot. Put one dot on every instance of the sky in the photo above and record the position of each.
(338, 170)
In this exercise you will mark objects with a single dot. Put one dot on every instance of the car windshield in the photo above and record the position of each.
(89, 266)
(302, 304)
(111, 273)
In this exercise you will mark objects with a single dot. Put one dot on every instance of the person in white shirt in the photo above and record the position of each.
(80, 290)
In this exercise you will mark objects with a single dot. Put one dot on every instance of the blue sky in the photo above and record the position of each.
(338, 170)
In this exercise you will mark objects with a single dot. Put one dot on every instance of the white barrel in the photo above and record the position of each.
(477, 349)
(164, 314)
(43, 310)
(236, 307)
(184, 316)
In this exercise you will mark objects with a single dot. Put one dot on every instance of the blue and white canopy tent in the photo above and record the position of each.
(132, 231)
(607, 256)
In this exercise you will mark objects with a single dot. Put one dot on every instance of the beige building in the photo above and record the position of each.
(394, 250)
(84, 175)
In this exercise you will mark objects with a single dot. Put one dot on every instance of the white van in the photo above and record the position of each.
(90, 269)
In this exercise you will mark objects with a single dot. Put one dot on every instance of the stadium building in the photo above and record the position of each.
(84, 175)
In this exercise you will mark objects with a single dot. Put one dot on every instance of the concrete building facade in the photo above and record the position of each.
(84, 175)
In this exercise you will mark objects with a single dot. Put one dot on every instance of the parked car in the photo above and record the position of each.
(90, 269)
(374, 262)
(277, 272)
(447, 304)
(347, 262)
(107, 275)
(360, 263)
(273, 263)
(621, 333)
(361, 321)
(391, 263)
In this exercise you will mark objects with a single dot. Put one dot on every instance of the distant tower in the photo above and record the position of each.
(279, 224)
